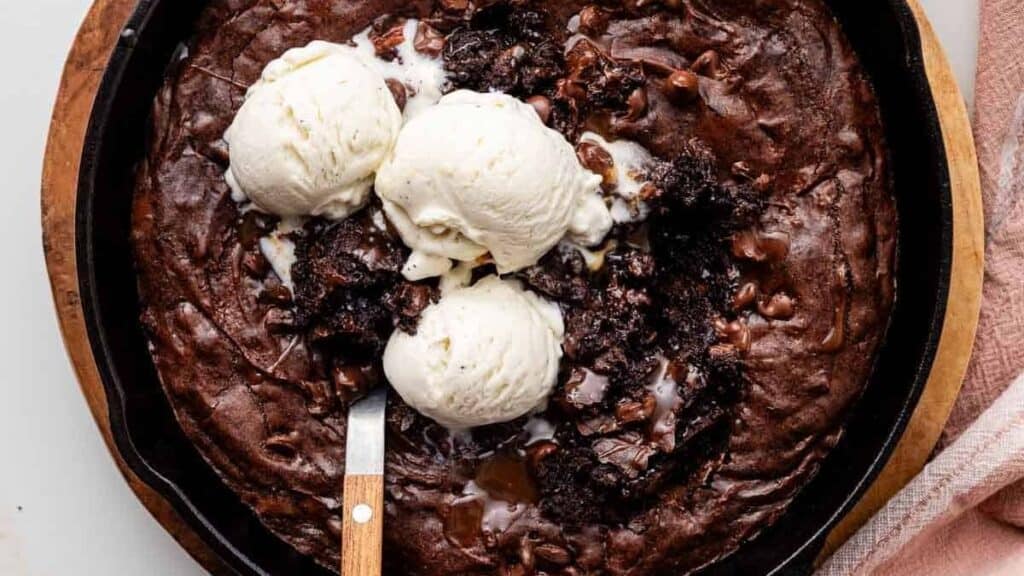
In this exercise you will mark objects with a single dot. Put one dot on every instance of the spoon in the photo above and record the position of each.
(363, 520)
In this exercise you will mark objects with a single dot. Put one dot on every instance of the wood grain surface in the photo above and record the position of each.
(81, 78)
(361, 535)
(83, 72)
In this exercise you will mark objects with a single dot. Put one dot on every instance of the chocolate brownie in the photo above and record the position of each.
(713, 349)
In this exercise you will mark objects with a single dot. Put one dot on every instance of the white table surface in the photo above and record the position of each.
(64, 508)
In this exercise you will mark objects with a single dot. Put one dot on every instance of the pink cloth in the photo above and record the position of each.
(999, 133)
(961, 516)
(964, 514)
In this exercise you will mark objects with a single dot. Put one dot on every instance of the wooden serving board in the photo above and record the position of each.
(82, 75)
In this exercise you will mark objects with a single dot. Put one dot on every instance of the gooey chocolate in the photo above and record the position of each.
(712, 351)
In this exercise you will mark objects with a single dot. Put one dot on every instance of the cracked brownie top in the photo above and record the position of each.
(714, 343)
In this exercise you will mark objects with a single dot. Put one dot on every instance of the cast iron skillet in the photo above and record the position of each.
(885, 35)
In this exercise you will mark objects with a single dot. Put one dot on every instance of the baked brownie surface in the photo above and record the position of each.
(710, 360)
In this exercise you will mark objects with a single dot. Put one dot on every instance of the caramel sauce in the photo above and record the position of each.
(836, 336)
(503, 486)
(463, 521)
(507, 477)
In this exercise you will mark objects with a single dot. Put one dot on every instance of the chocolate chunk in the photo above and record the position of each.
(256, 264)
(428, 40)
(398, 92)
(282, 445)
(455, 4)
(629, 452)
(736, 333)
(354, 380)
(594, 21)
(599, 161)
(636, 104)
(682, 87)
(276, 294)
(536, 453)
(760, 246)
(630, 412)
(387, 34)
(278, 321)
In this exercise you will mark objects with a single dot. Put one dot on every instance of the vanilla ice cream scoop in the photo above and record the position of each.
(312, 133)
(480, 173)
(483, 354)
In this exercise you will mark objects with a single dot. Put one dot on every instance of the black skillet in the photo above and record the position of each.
(885, 35)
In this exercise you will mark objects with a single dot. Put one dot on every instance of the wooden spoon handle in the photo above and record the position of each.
(362, 526)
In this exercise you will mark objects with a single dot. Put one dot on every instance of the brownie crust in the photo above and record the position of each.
(761, 285)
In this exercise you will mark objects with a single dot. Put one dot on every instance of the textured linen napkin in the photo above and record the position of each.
(964, 514)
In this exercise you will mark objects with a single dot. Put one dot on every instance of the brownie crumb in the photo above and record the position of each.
(647, 314)
(569, 492)
(349, 290)
(505, 47)
(687, 187)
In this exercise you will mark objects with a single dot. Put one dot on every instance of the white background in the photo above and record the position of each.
(64, 509)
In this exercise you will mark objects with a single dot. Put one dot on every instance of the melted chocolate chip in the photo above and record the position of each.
(428, 40)
(779, 307)
(594, 21)
(708, 63)
(399, 92)
(682, 87)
